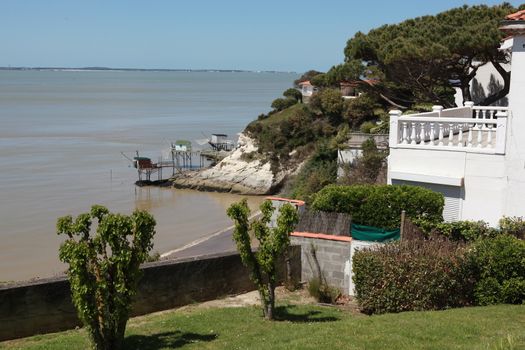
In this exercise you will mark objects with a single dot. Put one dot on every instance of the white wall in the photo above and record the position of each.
(515, 147)
(481, 176)
(486, 82)
(354, 247)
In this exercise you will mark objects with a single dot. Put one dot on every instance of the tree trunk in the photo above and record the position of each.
(290, 283)
(465, 90)
(270, 303)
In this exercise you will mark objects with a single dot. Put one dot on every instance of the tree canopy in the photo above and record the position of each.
(422, 59)
(104, 268)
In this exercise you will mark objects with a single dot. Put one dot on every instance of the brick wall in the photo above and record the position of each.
(333, 258)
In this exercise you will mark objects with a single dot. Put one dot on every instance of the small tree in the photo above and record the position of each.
(104, 268)
(272, 244)
(294, 94)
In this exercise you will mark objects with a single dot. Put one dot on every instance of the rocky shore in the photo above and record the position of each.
(237, 173)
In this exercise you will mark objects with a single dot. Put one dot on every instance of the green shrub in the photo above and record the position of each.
(380, 205)
(514, 226)
(412, 275)
(319, 171)
(500, 264)
(366, 127)
(293, 93)
(368, 168)
(466, 231)
(282, 103)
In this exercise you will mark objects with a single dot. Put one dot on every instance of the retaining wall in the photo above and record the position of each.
(45, 306)
(332, 254)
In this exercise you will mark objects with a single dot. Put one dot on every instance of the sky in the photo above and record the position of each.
(285, 35)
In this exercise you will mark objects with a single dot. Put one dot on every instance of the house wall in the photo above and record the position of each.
(487, 82)
(482, 178)
(515, 147)
(45, 306)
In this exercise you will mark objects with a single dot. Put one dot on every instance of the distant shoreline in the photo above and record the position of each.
(90, 69)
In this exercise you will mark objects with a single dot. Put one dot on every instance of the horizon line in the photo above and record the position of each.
(97, 68)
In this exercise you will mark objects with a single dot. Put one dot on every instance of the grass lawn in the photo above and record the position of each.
(310, 327)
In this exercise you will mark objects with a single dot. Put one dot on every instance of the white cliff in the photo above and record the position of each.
(236, 173)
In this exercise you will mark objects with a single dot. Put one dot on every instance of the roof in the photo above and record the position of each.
(355, 83)
(183, 142)
(517, 16)
(224, 135)
(307, 83)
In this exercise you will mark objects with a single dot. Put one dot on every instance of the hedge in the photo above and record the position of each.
(437, 274)
(380, 205)
(412, 275)
(500, 264)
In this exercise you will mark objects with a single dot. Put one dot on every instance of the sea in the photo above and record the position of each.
(62, 135)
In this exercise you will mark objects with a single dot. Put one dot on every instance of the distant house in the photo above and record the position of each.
(473, 155)
(182, 146)
(353, 89)
(220, 142)
(307, 90)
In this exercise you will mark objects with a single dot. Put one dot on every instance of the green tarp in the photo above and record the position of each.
(373, 234)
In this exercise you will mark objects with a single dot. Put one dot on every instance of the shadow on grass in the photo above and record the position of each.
(165, 340)
(287, 313)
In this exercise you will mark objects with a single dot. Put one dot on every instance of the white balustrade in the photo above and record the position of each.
(473, 129)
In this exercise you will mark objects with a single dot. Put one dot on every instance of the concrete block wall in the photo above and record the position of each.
(45, 306)
(333, 258)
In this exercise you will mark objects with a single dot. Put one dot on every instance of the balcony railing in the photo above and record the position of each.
(476, 129)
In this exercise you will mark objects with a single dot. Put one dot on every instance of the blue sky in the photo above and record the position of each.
(196, 34)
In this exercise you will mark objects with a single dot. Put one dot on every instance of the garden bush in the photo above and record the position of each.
(500, 268)
(466, 231)
(514, 226)
(282, 103)
(413, 275)
(380, 205)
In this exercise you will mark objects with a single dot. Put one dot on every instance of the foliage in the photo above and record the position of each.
(282, 103)
(412, 275)
(514, 226)
(368, 168)
(272, 244)
(500, 264)
(416, 60)
(367, 127)
(104, 268)
(466, 231)
(306, 76)
(380, 205)
(328, 103)
(278, 136)
(364, 108)
(319, 171)
(293, 94)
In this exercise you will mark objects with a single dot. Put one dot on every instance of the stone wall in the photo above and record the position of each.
(45, 306)
(333, 257)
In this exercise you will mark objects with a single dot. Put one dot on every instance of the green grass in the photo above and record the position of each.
(310, 327)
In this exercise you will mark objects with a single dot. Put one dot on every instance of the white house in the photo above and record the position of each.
(474, 155)
(307, 89)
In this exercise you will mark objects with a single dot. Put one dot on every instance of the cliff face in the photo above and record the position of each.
(235, 173)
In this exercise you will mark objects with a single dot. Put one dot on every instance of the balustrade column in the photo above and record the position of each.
(440, 143)
(421, 133)
(413, 134)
